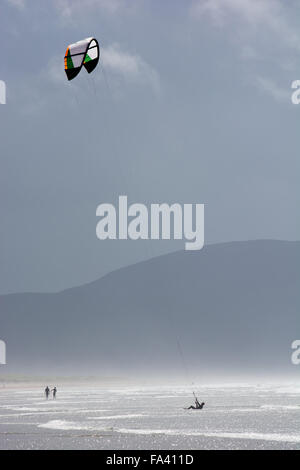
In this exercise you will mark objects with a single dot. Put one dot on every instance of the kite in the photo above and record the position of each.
(82, 53)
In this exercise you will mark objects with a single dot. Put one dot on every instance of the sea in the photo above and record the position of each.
(235, 417)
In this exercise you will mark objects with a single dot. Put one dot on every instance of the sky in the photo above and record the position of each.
(190, 103)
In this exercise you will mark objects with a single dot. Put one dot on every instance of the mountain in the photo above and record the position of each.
(231, 307)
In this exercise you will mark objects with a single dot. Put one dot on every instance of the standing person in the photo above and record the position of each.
(54, 390)
(47, 391)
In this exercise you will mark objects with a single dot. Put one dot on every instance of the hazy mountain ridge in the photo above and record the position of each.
(232, 306)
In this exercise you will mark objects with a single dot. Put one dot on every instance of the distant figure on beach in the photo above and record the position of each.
(54, 390)
(198, 406)
(47, 391)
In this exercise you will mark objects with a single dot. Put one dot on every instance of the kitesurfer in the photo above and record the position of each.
(54, 390)
(198, 406)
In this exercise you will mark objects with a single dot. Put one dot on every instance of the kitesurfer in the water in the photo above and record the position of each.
(54, 390)
(198, 406)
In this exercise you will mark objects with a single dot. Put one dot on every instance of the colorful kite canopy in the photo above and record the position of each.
(82, 53)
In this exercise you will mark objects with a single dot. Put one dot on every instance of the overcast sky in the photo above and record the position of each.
(191, 103)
